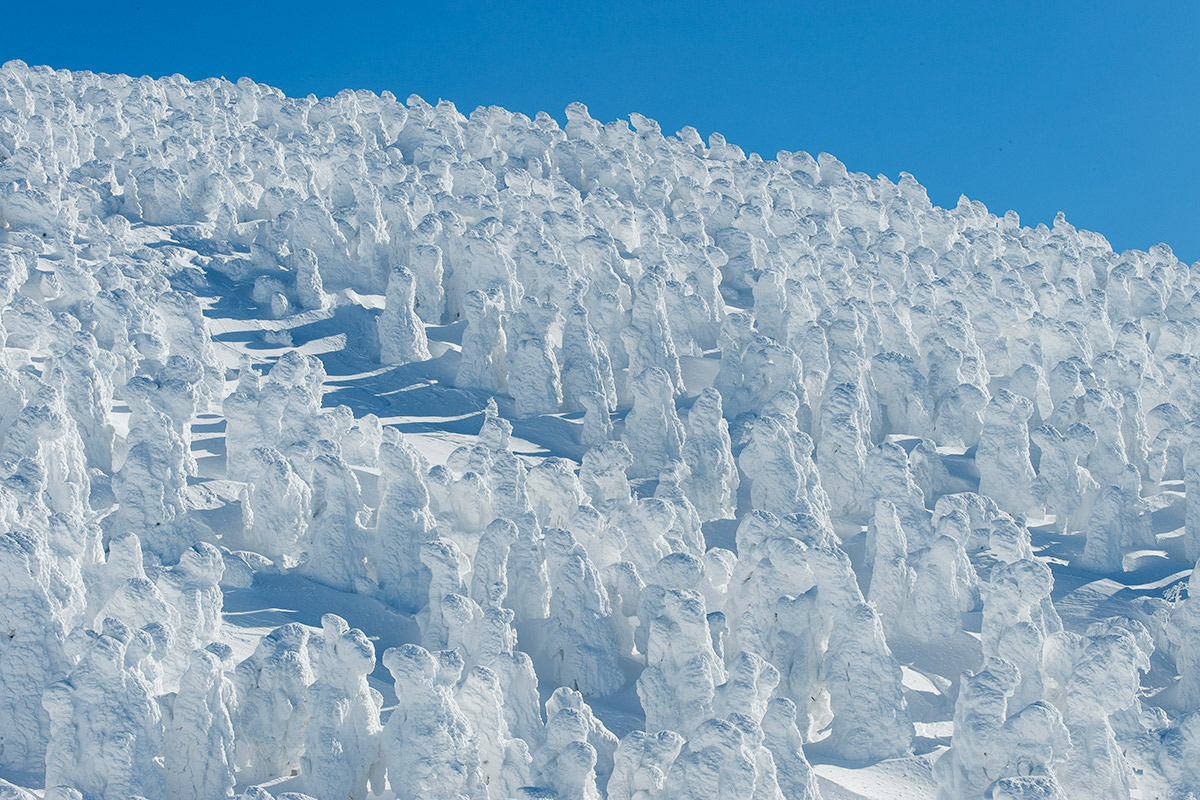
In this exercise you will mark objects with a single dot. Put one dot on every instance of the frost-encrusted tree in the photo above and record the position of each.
(198, 743)
(870, 714)
(945, 586)
(1064, 485)
(604, 475)
(1029, 381)
(137, 602)
(648, 526)
(427, 742)
(996, 740)
(1118, 521)
(1166, 432)
(641, 763)
(892, 578)
(602, 740)
(403, 523)
(489, 575)
(1176, 758)
(504, 761)
(105, 708)
(273, 708)
(762, 677)
(597, 422)
(586, 367)
(648, 340)
(776, 614)
(842, 448)
(276, 507)
(527, 569)
(110, 594)
(796, 777)
(244, 431)
(1016, 621)
(533, 375)
(33, 630)
(309, 288)
(1091, 678)
(1191, 478)
(903, 394)
(427, 267)
(768, 369)
(401, 332)
(959, 416)
(281, 411)
(483, 347)
(580, 645)
(682, 670)
(566, 762)
(479, 635)
(554, 491)
(890, 477)
(715, 762)
(1108, 461)
(1005, 473)
(446, 566)
(341, 742)
(508, 483)
(712, 480)
(1180, 623)
(361, 443)
(804, 606)
(192, 587)
(83, 374)
(150, 484)
(653, 432)
(773, 460)
(335, 550)
(736, 333)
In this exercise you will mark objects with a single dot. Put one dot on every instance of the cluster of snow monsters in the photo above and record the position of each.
(856, 334)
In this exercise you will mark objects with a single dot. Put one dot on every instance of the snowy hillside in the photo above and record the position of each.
(358, 448)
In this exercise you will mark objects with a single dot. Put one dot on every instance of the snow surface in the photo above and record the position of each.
(354, 448)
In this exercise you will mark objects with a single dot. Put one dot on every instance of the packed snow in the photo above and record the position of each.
(357, 448)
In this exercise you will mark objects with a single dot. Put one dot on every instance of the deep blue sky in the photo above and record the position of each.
(1092, 108)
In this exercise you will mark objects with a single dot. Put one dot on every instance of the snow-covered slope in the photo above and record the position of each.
(362, 449)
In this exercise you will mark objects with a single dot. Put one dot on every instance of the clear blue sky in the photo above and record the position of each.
(1092, 108)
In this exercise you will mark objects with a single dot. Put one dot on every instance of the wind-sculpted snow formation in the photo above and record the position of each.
(569, 462)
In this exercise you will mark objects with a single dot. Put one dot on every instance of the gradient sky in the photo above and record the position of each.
(1089, 108)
